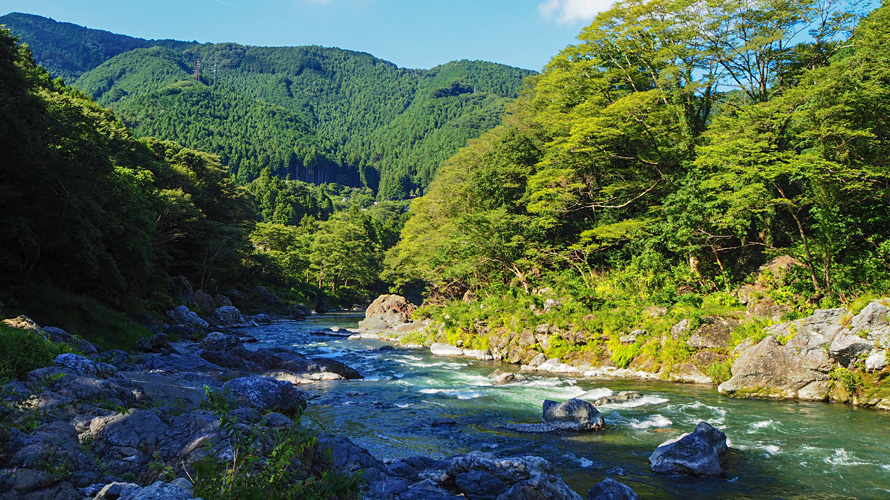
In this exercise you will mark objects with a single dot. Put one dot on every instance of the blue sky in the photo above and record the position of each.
(409, 33)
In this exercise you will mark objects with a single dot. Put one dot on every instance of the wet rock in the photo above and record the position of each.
(261, 319)
(503, 379)
(543, 487)
(265, 394)
(327, 365)
(184, 316)
(699, 453)
(217, 341)
(346, 455)
(509, 470)
(847, 347)
(610, 489)
(556, 366)
(439, 349)
(538, 360)
(573, 415)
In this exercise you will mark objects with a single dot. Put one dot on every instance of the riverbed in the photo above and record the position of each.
(781, 449)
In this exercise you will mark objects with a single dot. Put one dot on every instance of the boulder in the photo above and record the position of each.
(552, 305)
(714, 333)
(218, 341)
(57, 335)
(181, 288)
(85, 366)
(543, 487)
(699, 453)
(503, 379)
(680, 329)
(228, 316)
(155, 343)
(876, 361)
(392, 310)
(799, 369)
(184, 316)
(573, 415)
(327, 365)
(439, 349)
(610, 489)
(222, 300)
(847, 347)
(204, 300)
(159, 490)
(23, 323)
(872, 321)
(508, 471)
(265, 394)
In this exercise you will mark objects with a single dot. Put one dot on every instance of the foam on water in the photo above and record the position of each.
(842, 457)
(771, 449)
(599, 392)
(643, 401)
(761, 424)
(453, 393)
(653, 421)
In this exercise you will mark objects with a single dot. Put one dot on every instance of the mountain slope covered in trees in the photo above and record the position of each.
(309, 113)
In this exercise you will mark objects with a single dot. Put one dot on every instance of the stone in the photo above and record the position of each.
(439, 349)
(469, 296)
(204, 300)
(699, 453)
(552, 305)
(538, 360)
(503, 379)
(222, 300)
(57, 335)
(265, 394)
(680, 329)
(155, 343)
(228, 316)
(392, 309)
(610, 489)
(181, 287)
(876, 361)
(847, 347)
(715, 333)
(873, 321)
(85, 366)
(185, 316)
(443, 422)
(373, 325)
(218, 341)
(509, 470)
(327, 365)
(23, 323)
(573, 415)
(261, 319)
(543, 487)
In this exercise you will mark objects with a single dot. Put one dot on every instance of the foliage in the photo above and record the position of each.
(24, 350)
(283, 464)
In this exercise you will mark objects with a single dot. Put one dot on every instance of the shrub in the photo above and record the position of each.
(23, 350)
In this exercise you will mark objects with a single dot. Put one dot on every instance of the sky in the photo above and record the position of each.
(409, 33)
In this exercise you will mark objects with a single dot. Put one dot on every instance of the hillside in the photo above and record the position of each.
(309, 113)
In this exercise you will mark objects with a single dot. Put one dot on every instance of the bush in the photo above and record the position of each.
(23, 350)
(284, 464)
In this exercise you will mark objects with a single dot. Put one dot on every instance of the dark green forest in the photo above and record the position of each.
(313, 114)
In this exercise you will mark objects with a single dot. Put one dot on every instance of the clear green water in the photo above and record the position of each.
(782, 449)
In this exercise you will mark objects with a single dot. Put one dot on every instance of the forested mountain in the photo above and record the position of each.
(309, 113)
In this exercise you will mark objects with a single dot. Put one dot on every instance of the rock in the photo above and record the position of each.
(228, 316)
(680, 329)
(503, 379)
(699, 453)
(23, 323)
(184, 316)
(715, 333)
(873, 321)
(439, 349)
(543, 487)
(265, 394)
(508, 470)
(538, 360)
(85, 366)
(443, 422)
(799, 369)
(181, 288)
(391, 309)
(218, 341)
(373, 325)
(846, 347)
(222, 300)
(155, 343)
(265, 295)
(552, 305)
(327, 365)
(687, 373)
(57, 335)
(573, 415)
(159, 490)
(556, 366)
(469, 296)
(627, 339)
(876, 361)
(204, 300)
(610, 489)
(261, 319)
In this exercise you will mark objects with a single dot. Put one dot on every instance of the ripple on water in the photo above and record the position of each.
(655, 421)
(453, 393)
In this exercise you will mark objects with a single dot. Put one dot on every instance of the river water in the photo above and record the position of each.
(782, 449)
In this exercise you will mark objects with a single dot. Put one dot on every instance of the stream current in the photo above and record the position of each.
(782, 449)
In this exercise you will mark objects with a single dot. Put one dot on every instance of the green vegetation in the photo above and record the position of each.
(284, 464)
(24, 350)
(315, 114)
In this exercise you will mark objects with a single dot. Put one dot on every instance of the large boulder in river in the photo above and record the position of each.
(799, 369)
(328, 365)
(699, 453)
(228, 316)
(182, 315)
(391, 310)
(610, 489)
(543, 487)
(265, 394)
(573, 415)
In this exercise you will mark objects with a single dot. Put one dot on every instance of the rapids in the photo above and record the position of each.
(783, 449)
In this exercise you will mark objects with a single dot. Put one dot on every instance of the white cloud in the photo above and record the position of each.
(572, 11)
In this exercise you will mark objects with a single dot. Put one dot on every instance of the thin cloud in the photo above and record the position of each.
(572, 11)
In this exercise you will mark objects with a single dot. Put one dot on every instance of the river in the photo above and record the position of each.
(782, 449)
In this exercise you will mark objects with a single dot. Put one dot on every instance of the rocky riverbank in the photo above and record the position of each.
(832, 355)
(115, 425)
